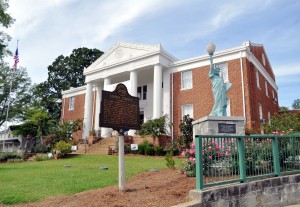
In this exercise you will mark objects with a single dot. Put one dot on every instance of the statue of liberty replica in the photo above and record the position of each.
(219, 88)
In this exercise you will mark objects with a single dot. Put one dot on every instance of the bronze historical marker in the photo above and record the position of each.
(119, 110)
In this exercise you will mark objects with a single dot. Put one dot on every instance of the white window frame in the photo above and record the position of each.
(257, 79)
(71, 103)
(269, 117)
(187, 109)
(186, 77)
(266, 86)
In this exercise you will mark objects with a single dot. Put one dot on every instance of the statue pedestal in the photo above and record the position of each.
(219, 125)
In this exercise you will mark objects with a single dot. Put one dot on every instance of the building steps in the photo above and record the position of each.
(100, 147)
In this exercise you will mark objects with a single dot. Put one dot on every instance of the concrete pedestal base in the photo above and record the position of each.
(219, 125)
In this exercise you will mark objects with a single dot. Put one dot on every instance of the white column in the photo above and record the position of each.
(106, 132)
(133, 91)
(157, 91)
(87, 111)
(98, 105)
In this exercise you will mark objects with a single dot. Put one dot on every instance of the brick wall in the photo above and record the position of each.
(77, 113)
(200, 95)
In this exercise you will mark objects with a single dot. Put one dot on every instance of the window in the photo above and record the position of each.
(188, 109)
(257, 79)
(263, 59)
(186, 80)
(266, 86)
(72, 103)
(142, 92)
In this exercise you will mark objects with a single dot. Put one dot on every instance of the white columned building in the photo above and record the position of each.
(157, 91)
(140, 67)
(87, 110)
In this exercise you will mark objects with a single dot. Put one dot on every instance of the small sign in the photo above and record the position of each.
(227, 128)
(134, 147)
(119, 110)
(74, 148)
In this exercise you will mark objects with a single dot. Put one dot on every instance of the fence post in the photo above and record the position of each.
(242, 165)
(199, 163)
(275, 150)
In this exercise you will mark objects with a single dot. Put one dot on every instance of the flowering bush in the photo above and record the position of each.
(213, 151)
(189, 165)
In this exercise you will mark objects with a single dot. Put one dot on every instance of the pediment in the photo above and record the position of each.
(121, 52)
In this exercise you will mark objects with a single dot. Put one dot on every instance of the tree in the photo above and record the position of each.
(283, 123)
(20, 96)
(283, 108)
(186, 128)
(37, 123)
(154, 127)
(65, 72)
(296, 104)
(5, 21)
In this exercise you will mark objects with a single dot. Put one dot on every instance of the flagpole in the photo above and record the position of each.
(10, 86)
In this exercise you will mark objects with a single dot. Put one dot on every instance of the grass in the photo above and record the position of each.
(33, 181)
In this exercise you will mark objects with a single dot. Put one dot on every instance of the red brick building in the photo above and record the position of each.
(174, 87)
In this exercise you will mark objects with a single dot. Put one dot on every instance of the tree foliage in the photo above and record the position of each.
(37, 123)
(284, 122)
(186, 129)
(20, 96)
(296, 104)
(283, 108)
(5, 21)
(155, 127)
(64, 73)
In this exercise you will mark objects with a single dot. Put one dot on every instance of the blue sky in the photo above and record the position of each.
(49, 28)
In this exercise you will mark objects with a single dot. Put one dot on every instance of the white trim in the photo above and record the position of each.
(243, 85)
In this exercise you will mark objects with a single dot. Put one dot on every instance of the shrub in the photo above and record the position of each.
(154, 127)
(189, 165)
(41, 149)
(186, 129)
(142, 147)
(170, 162)
(14, 160)
(149, 150)
(172, 147)
(160, 151)
(41, 157)
(62, 148)
(9, 155)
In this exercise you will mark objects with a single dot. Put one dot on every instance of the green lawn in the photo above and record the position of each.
(32, 181)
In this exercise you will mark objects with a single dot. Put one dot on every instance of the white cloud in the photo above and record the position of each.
(287, 70)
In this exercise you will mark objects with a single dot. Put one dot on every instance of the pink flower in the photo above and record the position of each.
(187, 150)
(209, 148)
(291, 129)
(210, 157)
(184, 173)
(192, 151)
(194, 159)
(182, 154)
(193, 145)
(227, 154)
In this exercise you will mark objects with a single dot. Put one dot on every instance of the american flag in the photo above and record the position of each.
(16, 58)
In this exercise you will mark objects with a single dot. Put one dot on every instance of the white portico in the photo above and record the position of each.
(144, 69)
